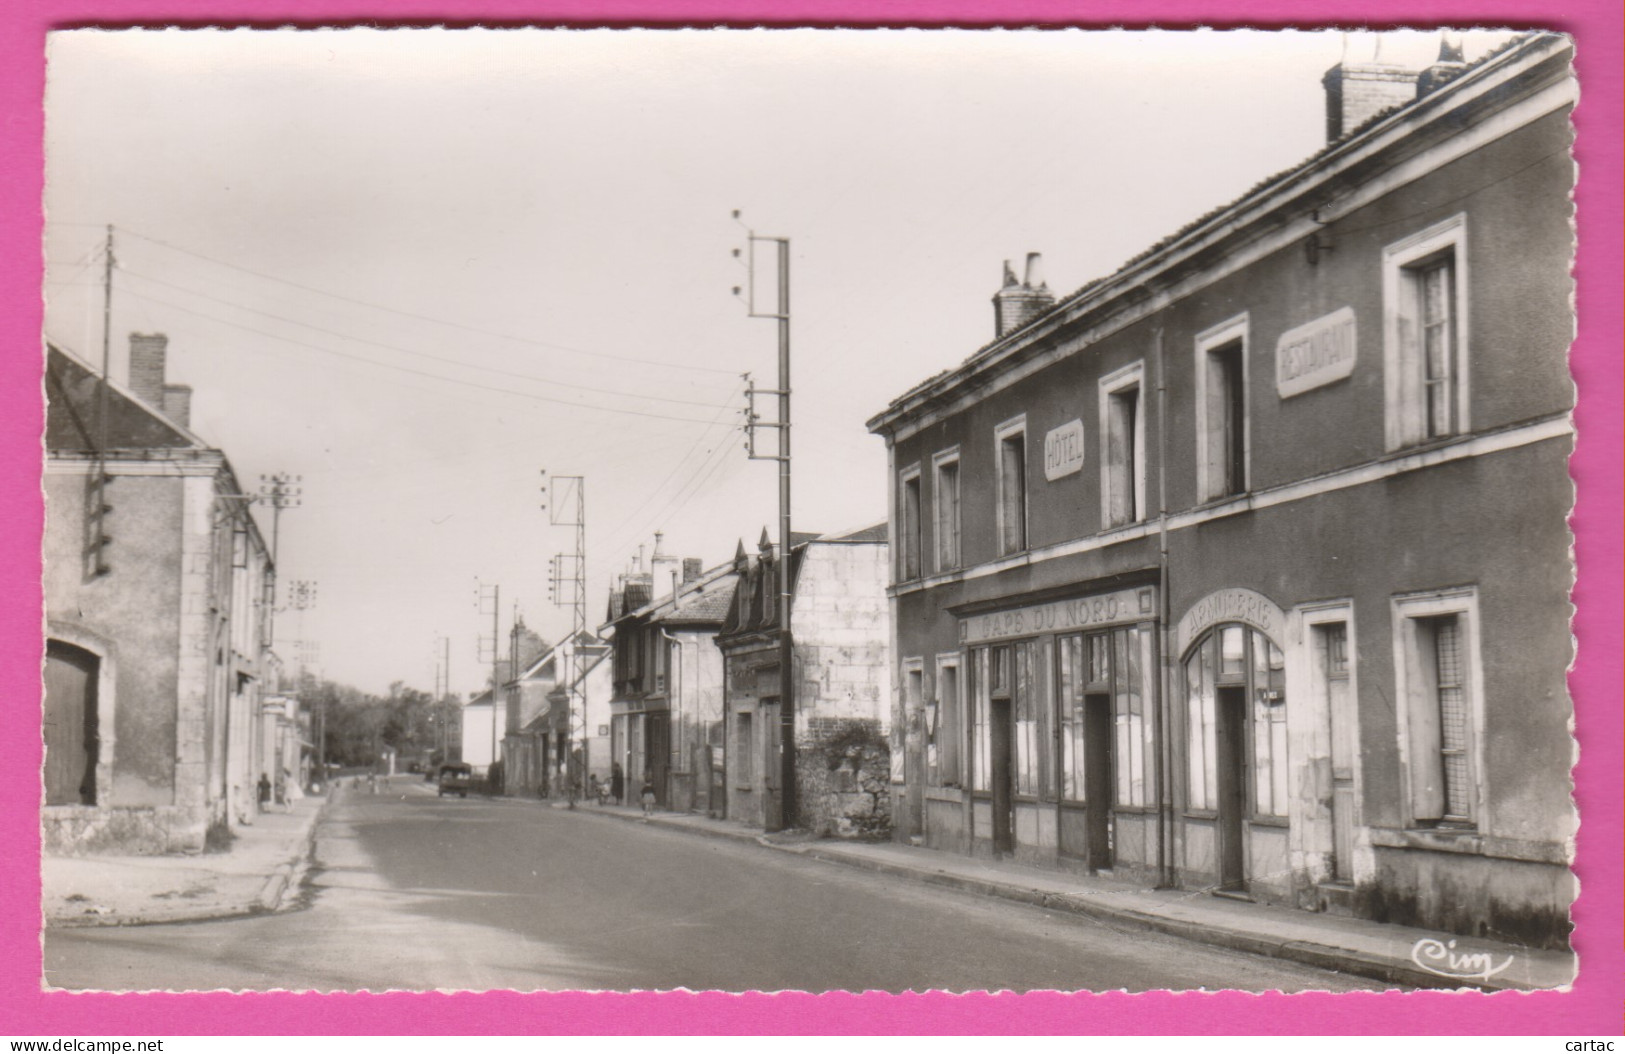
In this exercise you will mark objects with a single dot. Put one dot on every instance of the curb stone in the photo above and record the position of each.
(1307, 953)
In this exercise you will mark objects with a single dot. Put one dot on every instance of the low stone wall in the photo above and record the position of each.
(843, 776)
(67, 830)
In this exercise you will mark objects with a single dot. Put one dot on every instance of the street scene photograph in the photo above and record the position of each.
(635, 510)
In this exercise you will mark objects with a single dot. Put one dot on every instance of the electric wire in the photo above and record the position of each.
(421, 354)
(419, 373)
(426, 318)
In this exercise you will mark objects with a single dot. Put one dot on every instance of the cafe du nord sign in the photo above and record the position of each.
(1061, 616)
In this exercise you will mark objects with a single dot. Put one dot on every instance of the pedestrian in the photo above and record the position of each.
(595, 792)
(372, 783)
(617, 784)
(647, 796)
(265, 790)
(282, 791)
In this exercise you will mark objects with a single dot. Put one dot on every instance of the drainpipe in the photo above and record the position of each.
(675, 668)
(1162, 712)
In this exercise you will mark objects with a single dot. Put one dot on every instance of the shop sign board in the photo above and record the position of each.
(1061, 616)
(1315, 353)
(1063, 450)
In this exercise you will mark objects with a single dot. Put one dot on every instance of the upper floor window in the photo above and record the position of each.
(1122, 442)
(1011, 452)
(909, 538)
(1221, 410)
(945, 496)
(1425, 334)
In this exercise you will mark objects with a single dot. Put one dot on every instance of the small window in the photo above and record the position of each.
(1437, 663)
(1122, 439)
(1221, 410)
(908, 526)
(946, 498)
(1012, 468)
(1425, 348)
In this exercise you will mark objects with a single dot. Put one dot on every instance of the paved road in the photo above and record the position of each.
(415, 892)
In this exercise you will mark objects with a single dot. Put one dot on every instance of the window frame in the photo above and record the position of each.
(1217, 338)
(1405, 421)
(945, 770)
(1411, 692)
(1015, 426)
(941, 460)
(911, 529)
(1111, 387)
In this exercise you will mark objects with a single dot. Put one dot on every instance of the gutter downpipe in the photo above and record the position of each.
(1165, 820)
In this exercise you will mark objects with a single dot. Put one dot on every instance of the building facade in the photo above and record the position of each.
(842, 684)
(1246, 567)
(666, 723)
(156, 585)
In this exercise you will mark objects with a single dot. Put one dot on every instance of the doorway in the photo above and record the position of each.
(71, 741)
(772, 767)
(659, 753)
(1099, 778)
(1230, 764)
(1002, 783)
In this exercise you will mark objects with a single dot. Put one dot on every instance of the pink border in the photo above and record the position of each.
(1593, 1007)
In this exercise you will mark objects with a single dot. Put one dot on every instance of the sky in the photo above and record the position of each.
(416, 268)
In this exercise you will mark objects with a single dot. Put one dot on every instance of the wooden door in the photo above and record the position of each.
(1099, 775)
(1001, 742)
(659, 754)
(1231, 768)
(70, 724)
(1333, 640)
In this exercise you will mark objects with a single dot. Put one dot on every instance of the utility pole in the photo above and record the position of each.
(279, 491)
(571, 570)
(787, 706)
(96, 499)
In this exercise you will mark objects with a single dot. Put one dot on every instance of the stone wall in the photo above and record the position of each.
(843, 778)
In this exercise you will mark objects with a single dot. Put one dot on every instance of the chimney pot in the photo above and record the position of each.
(1358, 91)
(1035, 271)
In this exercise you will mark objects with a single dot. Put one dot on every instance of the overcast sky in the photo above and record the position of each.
(416, 267)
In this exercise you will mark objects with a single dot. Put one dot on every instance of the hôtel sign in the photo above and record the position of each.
(1061, 616)
(1315, 353)
(1063, 450)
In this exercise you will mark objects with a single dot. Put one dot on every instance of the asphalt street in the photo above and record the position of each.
(411, 891)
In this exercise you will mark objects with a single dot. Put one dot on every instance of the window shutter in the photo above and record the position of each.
(1427, 772)
(1218, 447)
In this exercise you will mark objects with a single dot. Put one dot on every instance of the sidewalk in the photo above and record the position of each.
(254, 876)
(1399, 955)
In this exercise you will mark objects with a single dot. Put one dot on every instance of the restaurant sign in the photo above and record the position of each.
(1061, 616)
(1315, 353)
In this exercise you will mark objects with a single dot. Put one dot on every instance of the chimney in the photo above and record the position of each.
(1018, 303)
(662, 567)
(1358, 91)
(147, 354)
(178, 404)
(1446, 68)
(693, 568)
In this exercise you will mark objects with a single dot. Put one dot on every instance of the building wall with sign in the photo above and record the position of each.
(1325, 431)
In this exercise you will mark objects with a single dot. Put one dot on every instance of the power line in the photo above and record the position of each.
(419, 373)
(422, 354)
(427, 318)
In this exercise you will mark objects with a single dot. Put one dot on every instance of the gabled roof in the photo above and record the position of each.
(879, 532)
(694, 601)
(73, 412)
(1128, 282)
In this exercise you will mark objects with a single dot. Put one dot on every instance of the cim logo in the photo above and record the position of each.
(1441, 958)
